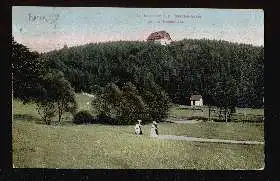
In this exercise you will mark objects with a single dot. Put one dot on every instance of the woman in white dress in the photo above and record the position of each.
(154, 129)
(138, 128)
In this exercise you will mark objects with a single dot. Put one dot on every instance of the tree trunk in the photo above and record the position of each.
(59, 117)
(209, 113)
(220, 113)
(226, 115)
(59, 112)
(229, 116)
(45, 119)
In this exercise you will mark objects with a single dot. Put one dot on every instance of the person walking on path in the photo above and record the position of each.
(138, 128)
(154, 129)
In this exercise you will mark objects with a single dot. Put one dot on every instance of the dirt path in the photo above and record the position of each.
(186, 121)
(183, 121)
(186, 138)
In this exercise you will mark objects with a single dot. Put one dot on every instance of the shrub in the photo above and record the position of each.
(119, 106)
(106, 120)
(127, 105)
(157, 105)
(83, 117)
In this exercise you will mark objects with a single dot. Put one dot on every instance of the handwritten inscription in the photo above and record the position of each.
(51, 19)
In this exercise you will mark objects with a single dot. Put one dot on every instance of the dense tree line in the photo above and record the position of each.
(48, 88)
(137, 80)
(26, 71)
(180, 69)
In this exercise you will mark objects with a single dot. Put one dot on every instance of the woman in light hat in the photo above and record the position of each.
(154, 129)
(138, 128)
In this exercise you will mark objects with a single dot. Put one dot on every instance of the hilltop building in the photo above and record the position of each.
(161, 37)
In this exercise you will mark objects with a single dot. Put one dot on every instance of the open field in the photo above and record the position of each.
(241, 115)
(106, 146)
(84, 102)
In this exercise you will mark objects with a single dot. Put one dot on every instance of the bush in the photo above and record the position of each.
(119, 106)
(127, 105)
(83, 117)
(106, 120)
(157, 105)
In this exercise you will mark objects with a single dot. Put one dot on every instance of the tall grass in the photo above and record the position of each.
(36, 145)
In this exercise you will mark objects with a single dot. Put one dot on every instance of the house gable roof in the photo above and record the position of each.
(195, 97)
(158, 35)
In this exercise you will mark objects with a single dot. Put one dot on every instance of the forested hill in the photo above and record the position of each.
(181, 68)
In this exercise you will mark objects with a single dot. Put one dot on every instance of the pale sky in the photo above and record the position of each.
(47, 28)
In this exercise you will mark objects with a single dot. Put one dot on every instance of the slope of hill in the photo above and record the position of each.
(180, 68)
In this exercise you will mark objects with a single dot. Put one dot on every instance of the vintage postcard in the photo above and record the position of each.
(138, 88)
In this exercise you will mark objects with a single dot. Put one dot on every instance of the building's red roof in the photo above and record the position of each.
(195, 97)
(158, 35)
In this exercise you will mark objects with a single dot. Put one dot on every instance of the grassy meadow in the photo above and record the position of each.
(202, 113)
(36, 145)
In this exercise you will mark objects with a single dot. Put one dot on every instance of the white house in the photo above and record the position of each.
(196, 100)
(161, 37)
(163, 41)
